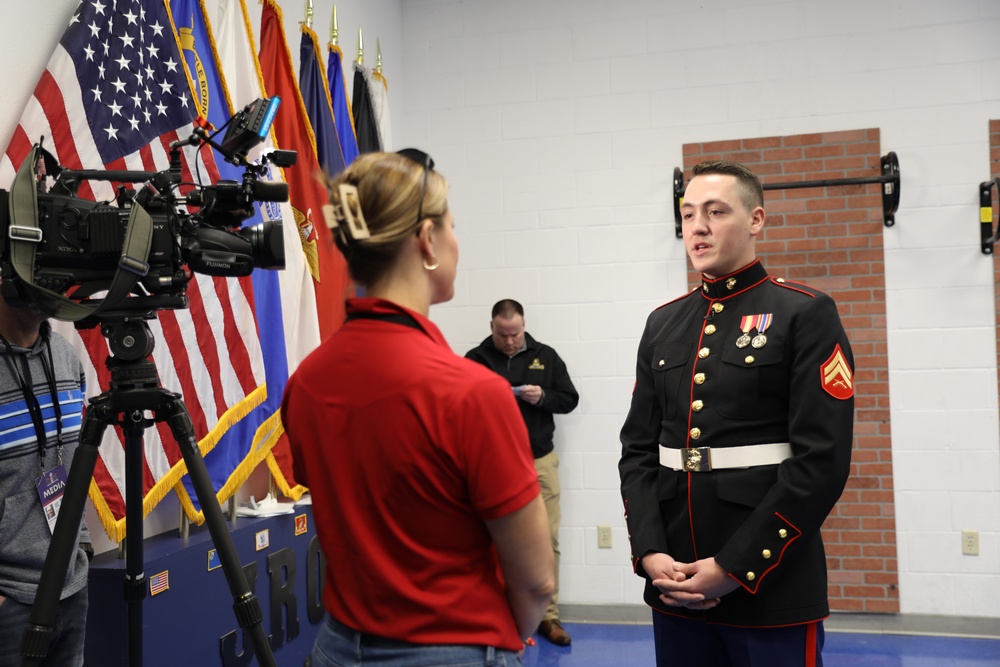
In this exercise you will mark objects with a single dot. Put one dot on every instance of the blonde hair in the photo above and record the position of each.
(389, 187)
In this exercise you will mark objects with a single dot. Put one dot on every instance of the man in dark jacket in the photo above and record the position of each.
(737, 445)
(538, 377)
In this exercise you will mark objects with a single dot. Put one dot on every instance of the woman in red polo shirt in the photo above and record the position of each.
(425, 496)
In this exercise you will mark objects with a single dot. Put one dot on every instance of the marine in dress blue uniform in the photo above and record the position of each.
(737, 445)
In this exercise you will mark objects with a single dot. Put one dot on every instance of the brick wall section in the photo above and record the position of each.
(831, 239)
(995, 173)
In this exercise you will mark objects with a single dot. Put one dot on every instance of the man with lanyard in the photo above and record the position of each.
(41, 402)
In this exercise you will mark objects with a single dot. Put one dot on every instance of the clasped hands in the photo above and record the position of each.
(699, 585)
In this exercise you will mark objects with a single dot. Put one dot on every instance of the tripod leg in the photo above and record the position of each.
(41, 622)
(135, 578)
(246, 606)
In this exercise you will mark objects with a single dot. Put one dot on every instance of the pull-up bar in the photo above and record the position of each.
(986, 235)
(889, 180)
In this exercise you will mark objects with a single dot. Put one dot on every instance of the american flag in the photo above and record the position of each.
(114, 95)
(159, 582)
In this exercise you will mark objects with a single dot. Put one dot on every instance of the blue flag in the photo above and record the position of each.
(341, 107)
(247, 442)
(319, 108)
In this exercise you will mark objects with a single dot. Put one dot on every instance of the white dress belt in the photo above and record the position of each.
(704, 459)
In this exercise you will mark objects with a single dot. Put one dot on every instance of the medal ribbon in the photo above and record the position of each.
(763, 322)
(748, 322)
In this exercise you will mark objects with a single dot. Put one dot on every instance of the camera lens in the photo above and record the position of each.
(267, 244)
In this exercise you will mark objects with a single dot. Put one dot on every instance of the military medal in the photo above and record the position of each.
(760, 340)
(746, 324)
(759, 322)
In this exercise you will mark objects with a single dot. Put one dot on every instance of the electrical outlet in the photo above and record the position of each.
(604, 537)
(970, 542)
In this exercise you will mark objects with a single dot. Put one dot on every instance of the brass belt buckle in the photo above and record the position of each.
(696, 459)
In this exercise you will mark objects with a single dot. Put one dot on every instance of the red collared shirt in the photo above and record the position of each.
(407, 450)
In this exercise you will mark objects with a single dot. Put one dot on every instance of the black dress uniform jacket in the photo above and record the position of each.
(695, 387)
(539, 365)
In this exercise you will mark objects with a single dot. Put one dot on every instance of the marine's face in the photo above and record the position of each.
(719, 231)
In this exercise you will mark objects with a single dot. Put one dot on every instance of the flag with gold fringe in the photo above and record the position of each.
(247, 444)
(341, 105)
(308, 197)
(319, 106)
(114, 95)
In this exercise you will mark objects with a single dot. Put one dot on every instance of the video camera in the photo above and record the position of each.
(76, 259)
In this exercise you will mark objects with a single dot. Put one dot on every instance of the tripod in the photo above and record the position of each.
(135, 388)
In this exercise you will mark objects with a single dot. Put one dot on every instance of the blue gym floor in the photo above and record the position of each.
(604, 645)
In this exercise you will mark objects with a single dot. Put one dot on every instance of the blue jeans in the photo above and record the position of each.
(66, 649)
(339, 646)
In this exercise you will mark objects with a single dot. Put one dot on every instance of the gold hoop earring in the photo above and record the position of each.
(431, 267)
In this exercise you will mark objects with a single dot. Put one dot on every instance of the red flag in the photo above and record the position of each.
(114, 94)
(309, 200)
(307, 194)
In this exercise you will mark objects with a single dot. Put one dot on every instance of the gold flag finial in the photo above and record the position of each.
(334, 32)
(378, 57)
(309, 14)
(361, 49)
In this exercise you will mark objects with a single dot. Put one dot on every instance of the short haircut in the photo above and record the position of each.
(749, 185)
(506, 309)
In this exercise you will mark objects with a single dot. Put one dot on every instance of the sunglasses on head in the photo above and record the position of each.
(427, 161)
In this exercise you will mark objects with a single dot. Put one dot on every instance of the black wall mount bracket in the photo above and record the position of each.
(889, 178)
(987, 237)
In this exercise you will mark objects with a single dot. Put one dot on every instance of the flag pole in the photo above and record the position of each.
(309, 14)
(378, 56)
(334, 32)
(361, 49)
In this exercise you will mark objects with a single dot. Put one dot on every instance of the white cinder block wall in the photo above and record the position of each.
(559, 124)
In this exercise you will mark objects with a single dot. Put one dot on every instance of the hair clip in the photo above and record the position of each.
(350, 209)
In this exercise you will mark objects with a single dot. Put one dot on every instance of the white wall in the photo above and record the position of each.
(559, 124)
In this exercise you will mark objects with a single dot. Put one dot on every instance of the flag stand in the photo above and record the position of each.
(135, 389)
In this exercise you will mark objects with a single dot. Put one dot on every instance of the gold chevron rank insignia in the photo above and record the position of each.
(837, 377)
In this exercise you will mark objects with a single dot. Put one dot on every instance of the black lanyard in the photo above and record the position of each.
(405, 319)
(31, 401)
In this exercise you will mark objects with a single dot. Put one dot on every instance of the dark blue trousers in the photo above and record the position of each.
(683, 642)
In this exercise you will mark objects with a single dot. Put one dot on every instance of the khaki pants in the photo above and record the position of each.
(548, 478)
